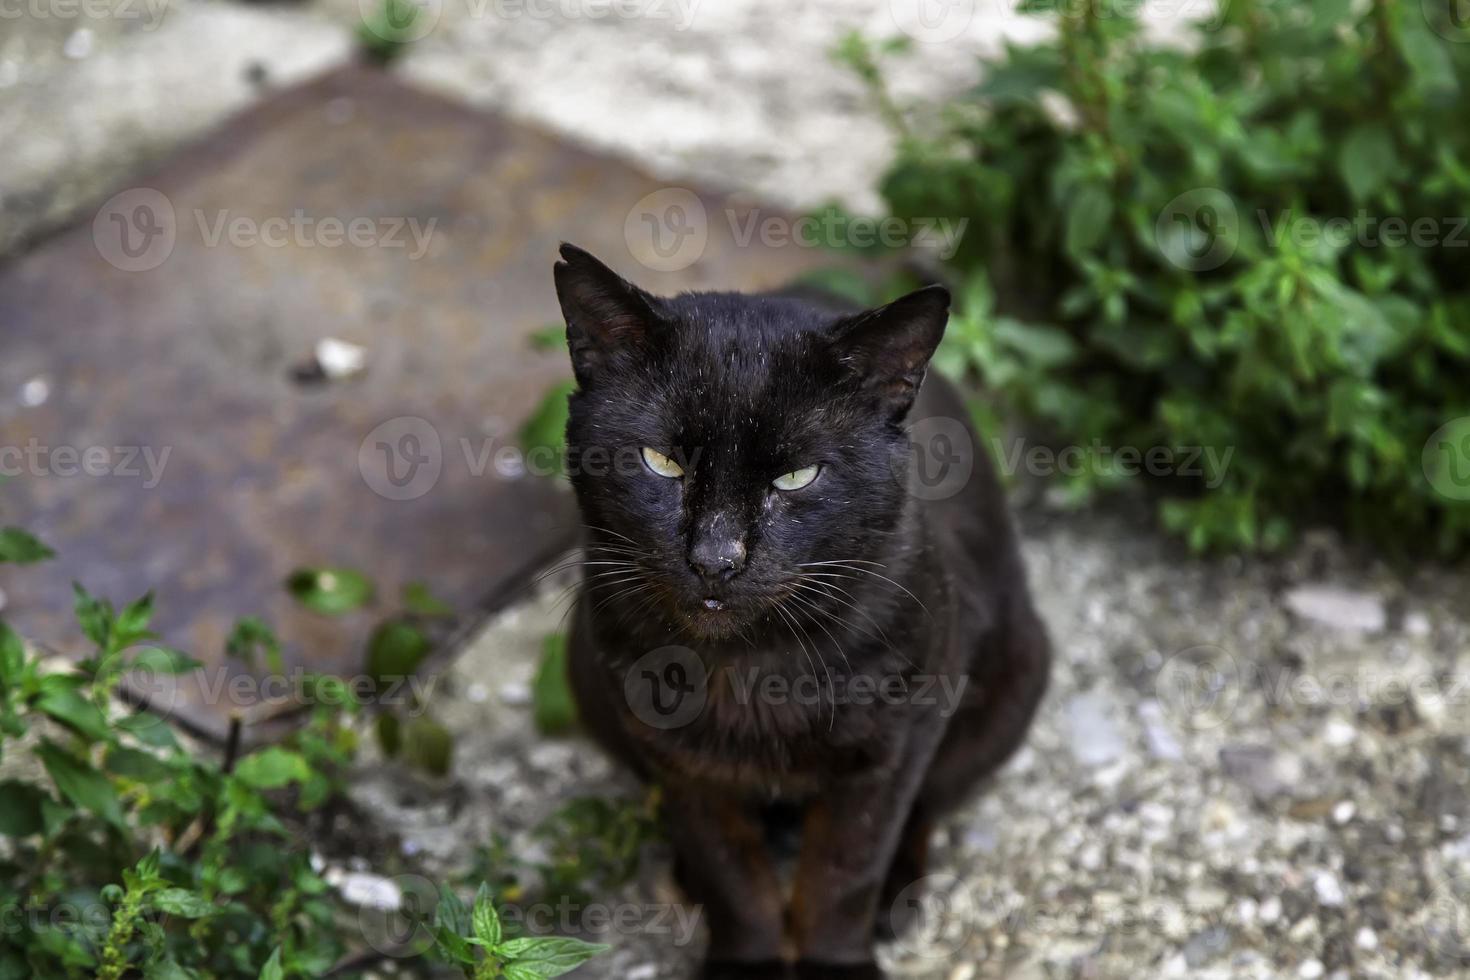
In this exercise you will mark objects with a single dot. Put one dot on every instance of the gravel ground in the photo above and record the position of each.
(1243, 769)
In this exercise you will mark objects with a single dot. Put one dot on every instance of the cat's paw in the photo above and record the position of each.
(810, 970)
(746, 970)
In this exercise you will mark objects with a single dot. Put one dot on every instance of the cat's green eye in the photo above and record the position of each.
(796, 479)
(661, 464)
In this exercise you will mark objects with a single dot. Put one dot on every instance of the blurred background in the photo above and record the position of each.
(282, 386)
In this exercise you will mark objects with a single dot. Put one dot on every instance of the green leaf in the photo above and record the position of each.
(132, 622)
(551, 694)
(428, 745)
(543, 436)
(80, 783)
(395, 650)
(66, 705)
(1088, 216)
(183, 903)
(167, 968)
(272, 969)
(164, 660)
(1425, 52)
(332, 591)
(451, 912)
(542, 957)
(249, 635)
(272, 768)
(390, 733)
(553, 336)
(453, 947)
(1368, 160)
(95, 617)
(139, 766)
(12, 655)
(418, 600)
(21, 547)
(20, 808)
(486, 919)
(149, 729)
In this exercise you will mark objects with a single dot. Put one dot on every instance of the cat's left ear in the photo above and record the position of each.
(607, 316)
(888, 348)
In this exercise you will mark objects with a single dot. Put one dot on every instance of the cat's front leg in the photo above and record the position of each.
(723, 865)
(848, 841)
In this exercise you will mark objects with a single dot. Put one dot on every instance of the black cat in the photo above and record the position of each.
(779, 610)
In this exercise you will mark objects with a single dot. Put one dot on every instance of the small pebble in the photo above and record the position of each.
(1344, 812)
(1328, 889)
(515, 694)
(1311, 970)
(1366, 939)
(339, 359)
(1343, 609)
(643, 971)
(1417, 624)
(34, 392)
(79, 44)
(1271, 911)
(476, 693)
(1339, 733)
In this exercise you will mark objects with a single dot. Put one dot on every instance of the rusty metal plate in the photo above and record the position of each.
(156, 427)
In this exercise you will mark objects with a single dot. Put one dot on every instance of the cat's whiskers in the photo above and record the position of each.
(856, 565)
(881, 636)
(799, 632)
(832, 720)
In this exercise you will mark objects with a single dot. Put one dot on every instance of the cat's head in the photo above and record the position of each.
(721, 444)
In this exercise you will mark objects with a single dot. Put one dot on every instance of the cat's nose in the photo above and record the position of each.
(717, 559)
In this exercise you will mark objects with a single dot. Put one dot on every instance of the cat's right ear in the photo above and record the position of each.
(606, 315)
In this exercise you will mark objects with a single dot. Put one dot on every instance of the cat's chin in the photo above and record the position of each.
(718, 623)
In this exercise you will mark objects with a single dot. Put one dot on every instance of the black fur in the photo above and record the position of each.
(739, 390)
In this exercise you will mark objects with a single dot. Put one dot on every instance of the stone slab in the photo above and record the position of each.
(170, 325)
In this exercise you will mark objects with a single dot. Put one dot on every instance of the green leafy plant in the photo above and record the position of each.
(474, 941)
(126, 853)
(1214, 245)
